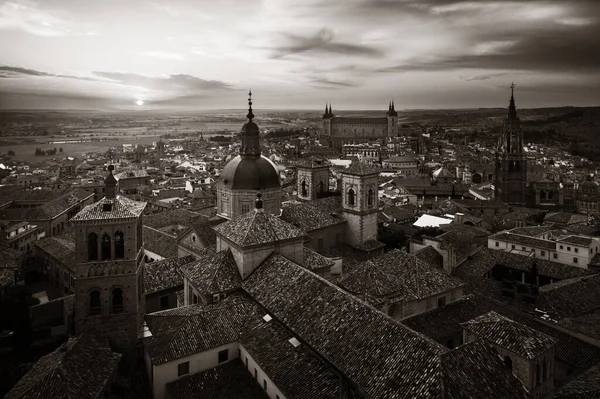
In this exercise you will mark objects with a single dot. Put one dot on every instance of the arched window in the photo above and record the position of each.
(304, 191)
(92, 247)
(370, 198)
(537, 380)
(320, 187)
(119, 245)
(117, 300)
(551, 195)
(508, 362)
(105, 247)
(351, 197)
(542, 195)
(544, 370)
(95, 303)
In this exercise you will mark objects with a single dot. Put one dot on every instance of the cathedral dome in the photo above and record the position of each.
(250, 173)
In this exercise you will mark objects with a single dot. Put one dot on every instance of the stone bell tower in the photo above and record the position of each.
(313, 179)
(109, 267)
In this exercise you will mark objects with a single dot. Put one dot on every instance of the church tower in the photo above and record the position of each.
(511, 161)
(360, 202)
(327, 121)
(392, 117)
(109, 267)
(313, 179)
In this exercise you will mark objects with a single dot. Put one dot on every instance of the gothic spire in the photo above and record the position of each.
(512, 109)
(330, 112)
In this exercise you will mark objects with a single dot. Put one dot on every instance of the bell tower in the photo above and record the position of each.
(511, 161)
(313, 179)
(109, 267)
(360, 202)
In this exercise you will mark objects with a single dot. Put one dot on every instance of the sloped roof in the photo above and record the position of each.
(48, 210)
(314, 215)
(508, 334)
(120, 207)
(443, 172)
(180, 216)
(164, 274)
(480, 359)
(315, 261)
(256, 228)
(160, 243)
(61, 248)
(360, 168)
(380, 355)
(80, 368)
(585, 386)
(230, 380)
(213, 273)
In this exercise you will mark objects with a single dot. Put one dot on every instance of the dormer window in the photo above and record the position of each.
(106, 207)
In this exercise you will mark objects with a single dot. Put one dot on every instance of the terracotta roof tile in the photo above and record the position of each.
(213, 273)
(164, 274)
(160, 243)
(111, 208)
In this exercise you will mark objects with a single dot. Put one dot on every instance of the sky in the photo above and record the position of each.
(298, 54)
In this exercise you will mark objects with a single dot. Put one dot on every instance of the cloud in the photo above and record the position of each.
(165, 9)
(321, 42)
(164, 54)
(8, 72)
(324, 82)
(177, 82)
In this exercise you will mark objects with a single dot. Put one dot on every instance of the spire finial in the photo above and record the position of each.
(250, 114)
(512, 108)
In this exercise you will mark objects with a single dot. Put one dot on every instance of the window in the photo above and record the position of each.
(524, 248)
(223, 355)
(106, 207)
(542, 253)
(183, 369)
(576, 249)
(497, 244)
(304, 191)
(441, 301)
(164, 302)
(245, 208)
(351, 196)
(568, 248)
(512, 246)
(246, 361)
(555, 256)
(508, 362)
(117, 300)
(194, 297)
(575, 260)
(119, 245)
(95, 303)
(264, 384)
(105, 247)
(216, 297)
(255, 373)
(92, 247)
(561, 247)
(370, 198)
(320, 187)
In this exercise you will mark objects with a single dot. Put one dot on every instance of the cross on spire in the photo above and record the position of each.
(250, 115)
(512, 108)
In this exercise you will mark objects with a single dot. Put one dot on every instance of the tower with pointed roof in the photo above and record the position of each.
(327, 121)
(392, 117)
(248, 174)
(109, 267)
(511, 160)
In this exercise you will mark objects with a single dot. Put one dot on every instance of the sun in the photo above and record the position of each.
(140, 102)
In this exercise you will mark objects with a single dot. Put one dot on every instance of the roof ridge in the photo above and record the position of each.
(248, 228)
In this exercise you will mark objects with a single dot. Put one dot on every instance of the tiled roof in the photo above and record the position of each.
(577, 240)
(569, 298)
(588, 324)
(256, 228)
(481, 262)
(61, 248)
(314, 261)
(80, 368)
(445, 322)
(532, 231)
(120, 207)
(159, 220)
(508, 334)
(181, 332)
(443, 172)
(213, 273)
(383, 357)
(164, 274)
(160, 243)
(204, 231)
(48, 210)
(400, 274)
(565, 218)
(585, 386)
(478, 358)
(361, 169)
(430, 256)
(231, 380)
(313, 215)
(313, 162)
(524, 240)
(131, 174)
